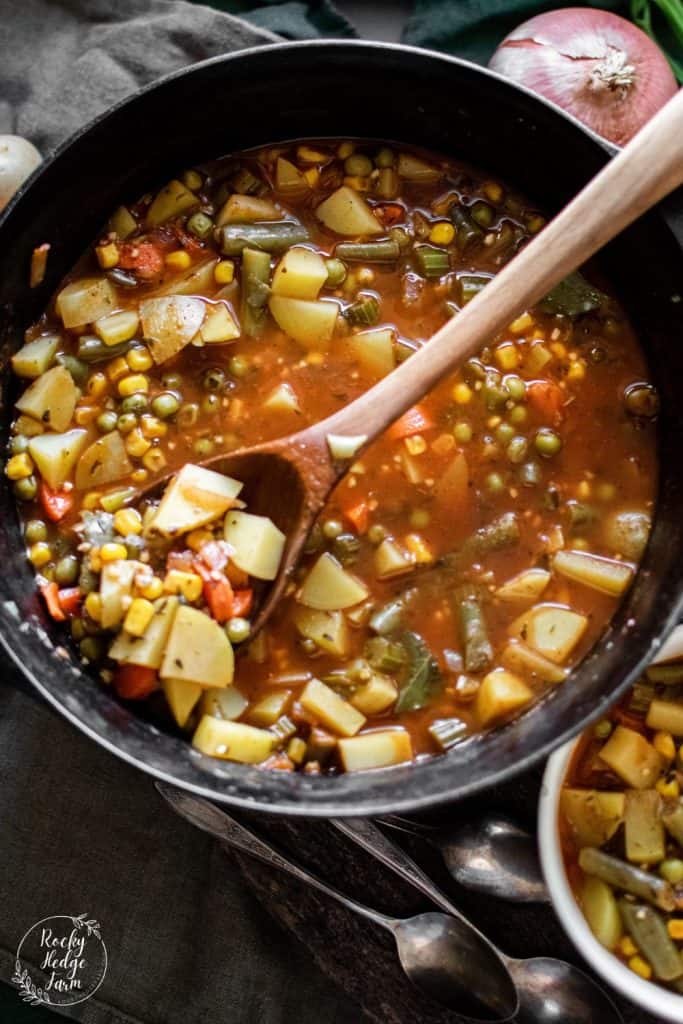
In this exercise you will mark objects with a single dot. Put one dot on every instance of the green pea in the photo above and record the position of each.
(200, 225)
(188, 415)
(172, 381)
(336, 273)
(213, 379)
(358, 165)
(505, 432)
(26, 489)
(547, 443)
(35, 531)
(385, 157)
(332, 528)
(518, 415)
(239, 366)
(66, 570)
(136, 403)
(602, 729)
(203, 447)
(237, 630)
(211, 404)
(462, 432)
(672, 870)
(165, 405)
(495, 483)
(495, 392)
(106, 421)
(517, 449)
(19, 444)
(377, 533)
(91, 648)
(127, 422)
(482, 214)
(516, 387)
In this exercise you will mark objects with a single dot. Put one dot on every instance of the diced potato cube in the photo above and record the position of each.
(240, 209)
(219, 326)
(86, 300)
(345, 446)
(36, 357)
(519, 658)
(643, 828)
(288, 178)
(223, 702)
(346, 213)
(27, 426)
(148, 649)
(525, 586)
(233, 741)
(412, 168)
(51, 399)
(331, 709)
(665, 715)
(632, 758)
(197, 650)
(172, 200)
(117, 327)
(282, 399)
(329, 630)
(195, 497)
(103, 462)
(601, 910)
(269, 708)
(312, 324)
(604, 574)
(391, 560)
(116, 585)
(170, 322)
(593, 815)
(257, 543)
(374, 350)
(197, 280)
(55, 455)
(375, 696)
(501, 694)
(379, 749)
(300, 274)
(552, 630)
(329, 586)
(182, 697)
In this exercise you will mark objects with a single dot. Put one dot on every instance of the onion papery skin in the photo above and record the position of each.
(594, 64)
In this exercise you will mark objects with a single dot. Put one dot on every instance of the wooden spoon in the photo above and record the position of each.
(290, 478)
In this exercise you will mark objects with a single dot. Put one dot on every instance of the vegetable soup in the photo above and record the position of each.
(469, 558)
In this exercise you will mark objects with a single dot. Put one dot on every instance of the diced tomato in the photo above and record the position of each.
(70, 600)
(358, 515)
(133, 682)
(56, 504)
(390, 213)
(547, 399)
(415, 421)
(242, 601)
(145, 259)
(50, 593)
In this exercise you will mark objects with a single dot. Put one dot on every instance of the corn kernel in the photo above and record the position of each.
(137, 444)
(462, 393)
(296, 749)
(39, 554)
(186, 583)
(507, 356)
(153, 427)
(153, 589)
(132, 384)
(315, 359)
(493, 191)
(224, 272)
(117, 368)
(117, 327)
(577, 370)
(178, 260)
(91, 499)
(442, 233)
(197, 538)
(668, 787)
(19, 466)
(345, 150)
(154, 460)
(627, 946)
(558, 349)
(640, 967)
(107, 255)
(583, 490)
(138, 616)
(139, 359)
(675, 929)
(416, 444)
(94, 560)
(419, 548)
(139, 475)
(85, 415)
(93, 606)
(521, 324)
(357, 183)
(312, 176)
(97, 385)
(113, 552)
(127, 520)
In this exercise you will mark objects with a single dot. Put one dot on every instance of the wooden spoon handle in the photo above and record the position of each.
(644, 172)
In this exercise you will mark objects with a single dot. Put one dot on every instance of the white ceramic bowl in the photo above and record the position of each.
(656, 1000)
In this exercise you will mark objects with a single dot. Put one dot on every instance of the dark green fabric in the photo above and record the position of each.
(291, 19)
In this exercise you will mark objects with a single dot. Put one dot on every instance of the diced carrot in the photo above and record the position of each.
(358, 515)
(133, 682)
(145, 259)
(217, 591)
(70, 600)
(50, 592)
(56, 504)
(390, 213)
(415, 421)
(242, 601)
(546, 399)
(238, 577)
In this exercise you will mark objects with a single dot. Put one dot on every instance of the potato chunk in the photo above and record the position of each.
(632, 758)
(552, 630)
(197, 650)
(182, 697)
(604, 574)
(331, 709)
(219, 325)
(194, 497)
(600, 907)
(257, 543)
(147, 650)
(593, 816)
(329, 630)
(300, 274)
(525, 586)
(36, 357)
(51, 399)
(103, 462)
(346, 213)
(312, 324)
(379, 749)
(329, 587)
(233, 741)
(172, 200)
(374, 350)
(84, 301)
(169, 323)
(55, 455)
(643, 827)
(116, 585)
(501, 693)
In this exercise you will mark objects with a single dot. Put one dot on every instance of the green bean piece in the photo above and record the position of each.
(572, 297)
(76, 367)
(246, 183)
(272, 238)
(363, 313)
(478, 652)
(367, 252)
(26, 489)
(389, 617)
(93, 350)
(467, 232)
(255, 291)
(582, 517)
(625, 876)
(336, 273)
(648, 930)
(672, 818)
(388, 183)
(200, 225)
(401, 237)
(446, 732)
(383, 654)
(432, 262)
(502, 532)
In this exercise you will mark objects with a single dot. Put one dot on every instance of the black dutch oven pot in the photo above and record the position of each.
(343, 89)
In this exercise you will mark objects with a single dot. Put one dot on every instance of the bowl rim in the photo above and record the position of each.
(646, 994)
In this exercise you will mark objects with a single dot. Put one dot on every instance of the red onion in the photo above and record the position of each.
(594, 64)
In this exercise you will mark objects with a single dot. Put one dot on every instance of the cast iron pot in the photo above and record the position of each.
(341, 89)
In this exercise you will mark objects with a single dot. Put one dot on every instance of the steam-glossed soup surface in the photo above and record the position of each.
(467, 561)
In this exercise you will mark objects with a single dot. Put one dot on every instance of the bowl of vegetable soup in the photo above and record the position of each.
(492, 570)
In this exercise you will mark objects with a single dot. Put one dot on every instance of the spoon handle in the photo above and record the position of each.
(206, 816)
(645, 171)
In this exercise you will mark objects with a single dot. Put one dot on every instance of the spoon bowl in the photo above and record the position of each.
(553, 991)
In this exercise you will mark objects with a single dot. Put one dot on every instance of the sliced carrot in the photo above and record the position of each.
(242, 601)
(358, 515)
(50, 592)
(70, 600)
(145, 259)
(547, 399)
(133, 682)
(415, 421)
(56, 504)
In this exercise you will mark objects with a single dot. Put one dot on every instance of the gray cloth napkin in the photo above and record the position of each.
(80, 831)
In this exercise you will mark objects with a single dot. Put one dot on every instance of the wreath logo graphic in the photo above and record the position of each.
(60, 961)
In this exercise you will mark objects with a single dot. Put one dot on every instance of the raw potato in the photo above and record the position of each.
(240, 209)
(632, 758)
(391, 560)
(289, 179)
(525, 586)
(257, 543)
(601, 911)
(282, 399)
(603, 574)
(36, 357)
(300, 274)
(500, 694)
(84, 301)
(103, 462)
(197, 650)
(170, 322)
(593, 815)
(195, 281)
(148, 649)
(411, 168)
(55, 455)
(116, 585)
(233, 741)
(519, 658)
(51, 399)
(329, 630)
(666, 715)
(171, 201)
(182, 697)
(374, 350)
(219, 325)
(194, 497)
(346, 213)
(643, 828)
(552, 630)
(329, 587)
(379, 749)
(223, 702)
(375, 696)
(312, 324)
(331, 709)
